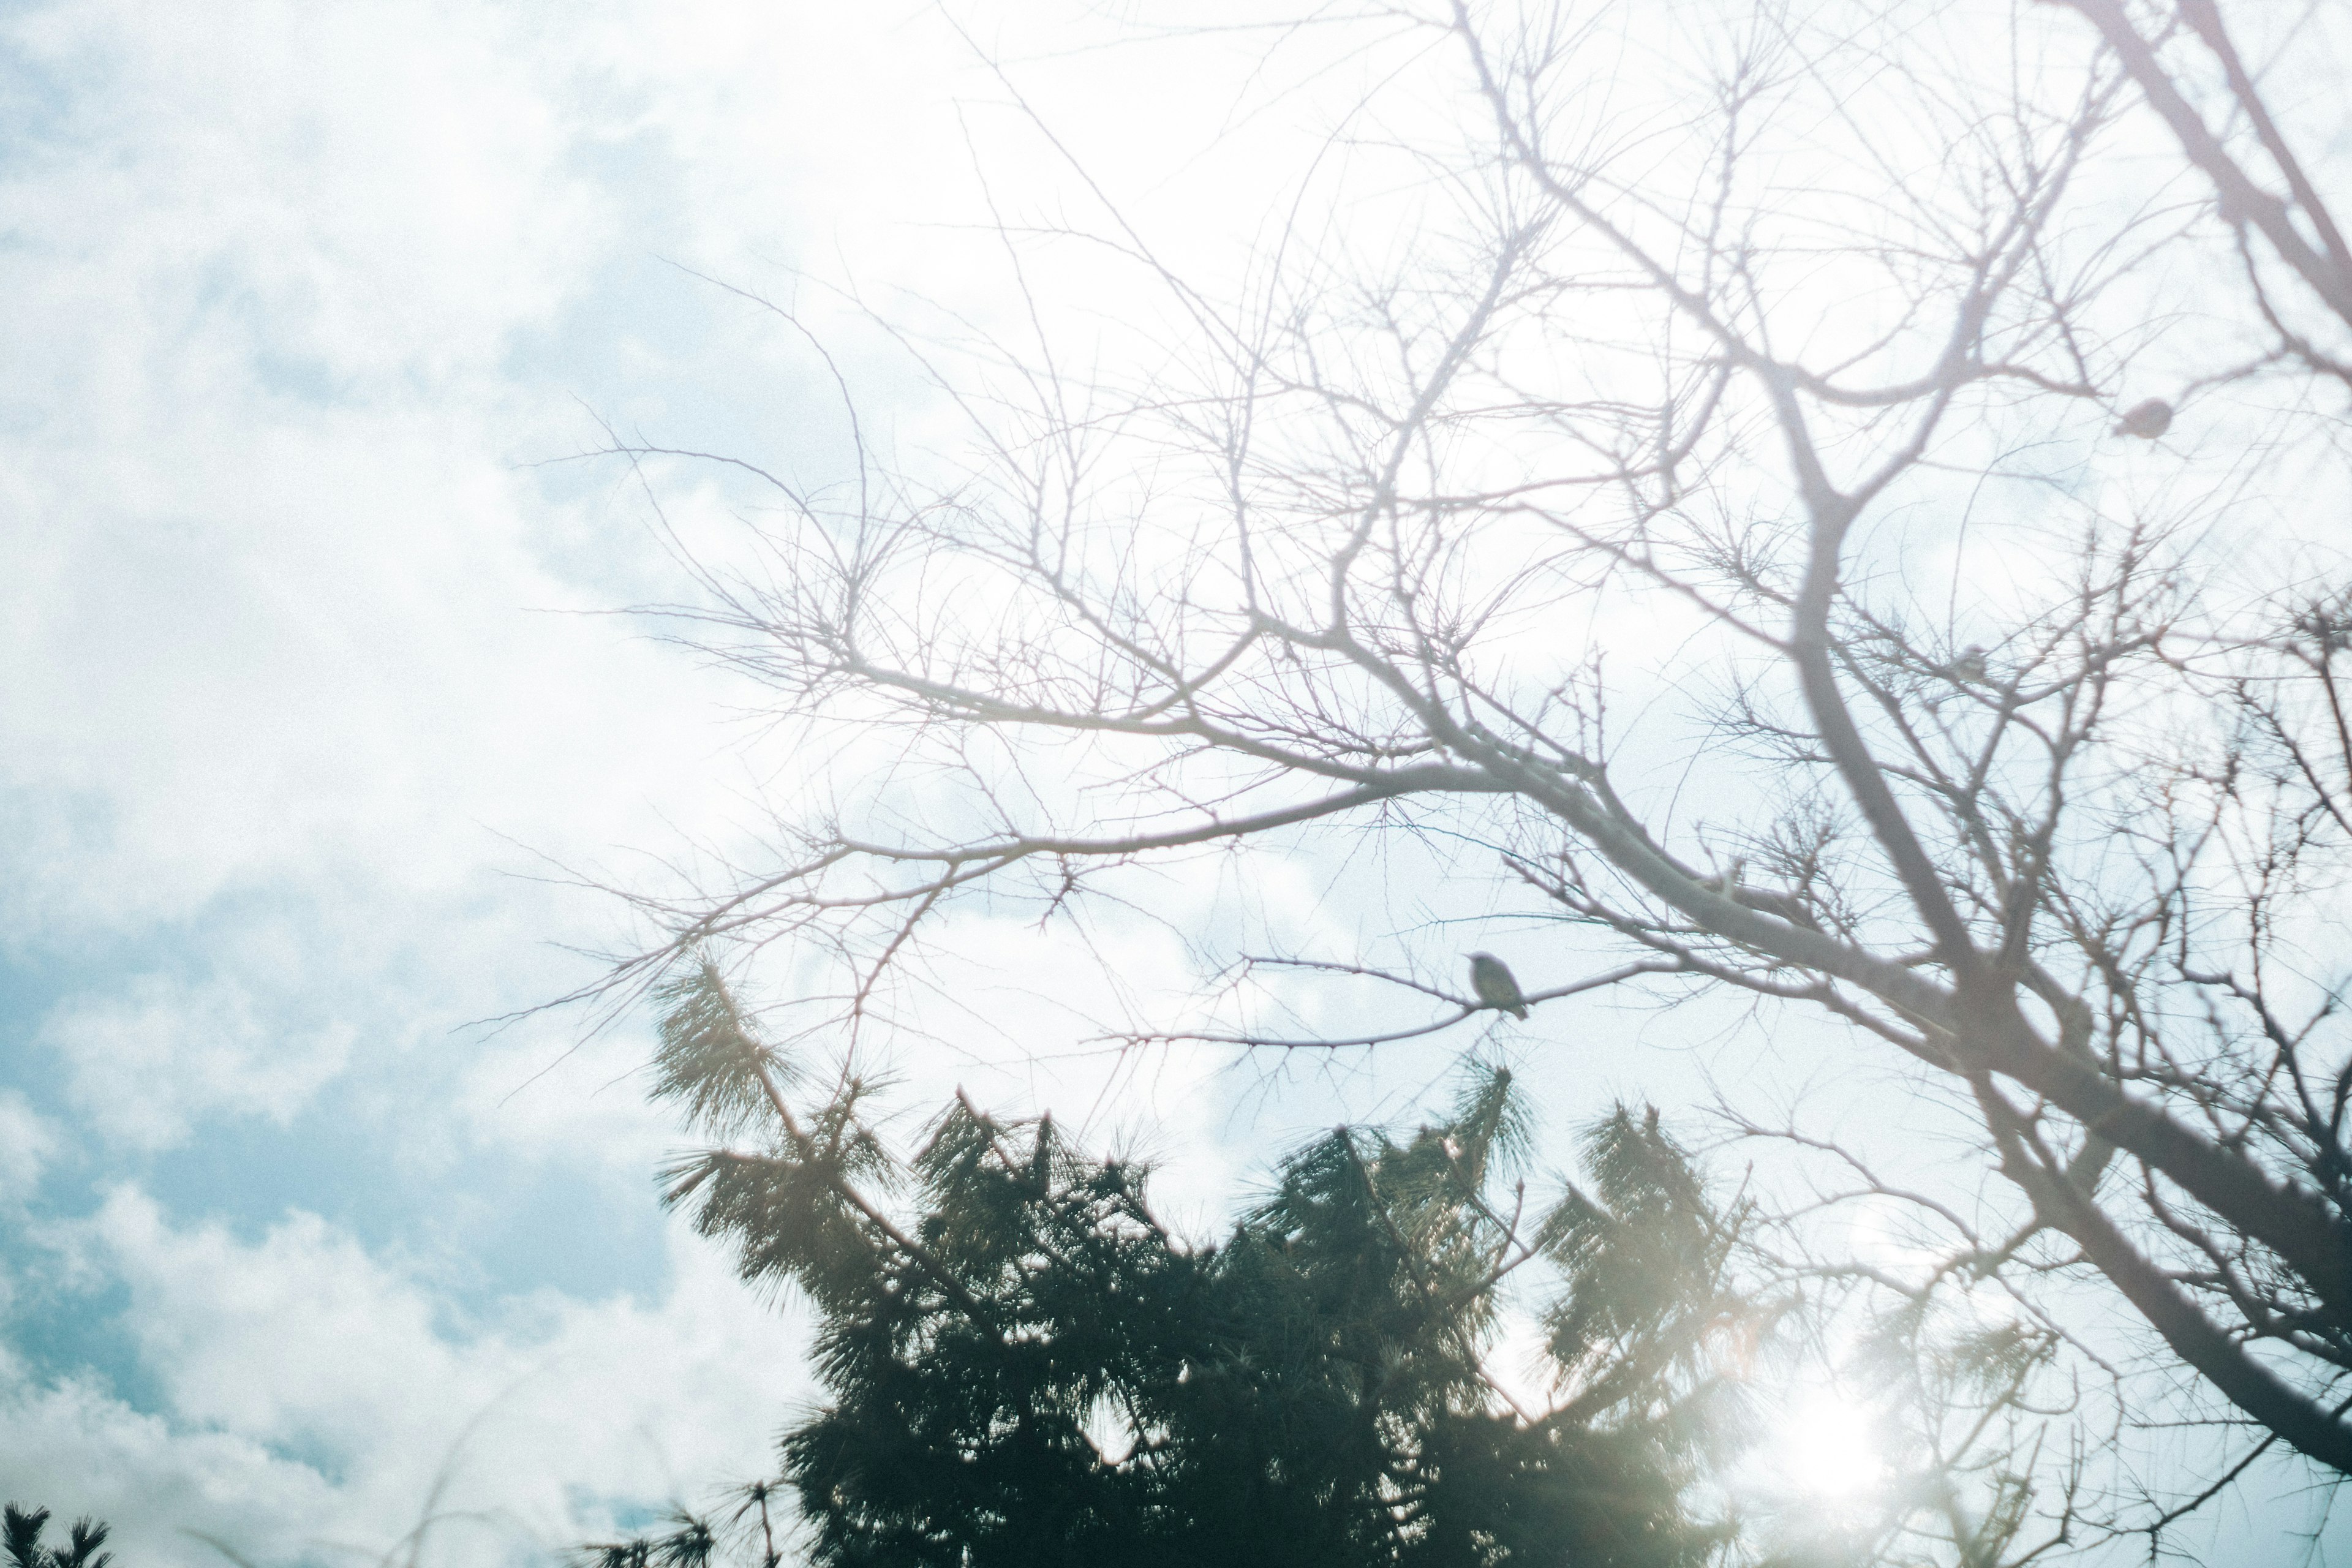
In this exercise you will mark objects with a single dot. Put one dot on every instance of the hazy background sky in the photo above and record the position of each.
(305, 674)
(303, 669)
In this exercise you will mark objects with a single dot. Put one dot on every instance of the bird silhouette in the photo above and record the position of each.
(1492, 979)
(2145, 420)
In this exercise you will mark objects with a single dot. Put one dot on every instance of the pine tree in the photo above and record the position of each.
(20, 1536)
(1035, 1370)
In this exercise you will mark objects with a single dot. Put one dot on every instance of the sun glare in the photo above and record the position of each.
(1829, 1447)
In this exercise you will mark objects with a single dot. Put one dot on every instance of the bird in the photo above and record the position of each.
(1492, 979)
(1971, 666)
(2146, 420)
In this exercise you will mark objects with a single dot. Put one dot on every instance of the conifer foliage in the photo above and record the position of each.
(20, 1536)
(1031, 1368)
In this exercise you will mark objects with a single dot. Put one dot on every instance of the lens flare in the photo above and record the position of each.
(1831, 1448)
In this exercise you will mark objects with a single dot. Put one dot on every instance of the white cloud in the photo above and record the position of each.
(276, 685)
(314, 1393)
(76, 1449)
(145, 1062)
(383, 186)
(27, 1140)
(271, 570)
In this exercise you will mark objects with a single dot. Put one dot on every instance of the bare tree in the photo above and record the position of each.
(1795, 352)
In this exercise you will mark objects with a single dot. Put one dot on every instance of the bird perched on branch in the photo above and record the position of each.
(1492, 979)
(2145, 420)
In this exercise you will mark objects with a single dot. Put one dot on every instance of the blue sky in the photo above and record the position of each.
(306, 663)
(310, 673)
(291, 293)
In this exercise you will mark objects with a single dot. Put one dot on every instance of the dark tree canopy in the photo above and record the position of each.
(20, 1534)
(1024, 1365)
(1309, 1392)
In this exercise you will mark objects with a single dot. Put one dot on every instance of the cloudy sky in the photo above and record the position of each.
(309, 674)
(297, 686)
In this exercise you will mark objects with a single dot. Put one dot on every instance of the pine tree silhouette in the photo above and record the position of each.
(1025, 1366)
(20, 1535)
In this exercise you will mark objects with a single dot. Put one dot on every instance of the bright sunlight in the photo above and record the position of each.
(1831, 1446)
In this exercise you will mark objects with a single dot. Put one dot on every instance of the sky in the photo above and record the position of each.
(308, 670)
(318, 693)
(313, 677)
